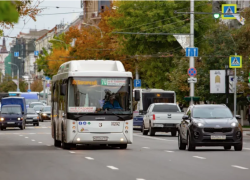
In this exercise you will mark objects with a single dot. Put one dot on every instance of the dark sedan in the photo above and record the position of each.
(32, 117)
(209, 125)
(45, 113)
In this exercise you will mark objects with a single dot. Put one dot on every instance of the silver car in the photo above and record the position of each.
(32, 117)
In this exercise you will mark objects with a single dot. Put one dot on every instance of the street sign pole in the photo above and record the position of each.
(191, 60)
(235, 89)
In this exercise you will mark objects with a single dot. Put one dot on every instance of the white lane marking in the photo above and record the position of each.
(33, 140)
(240, 167)
(199, 157)
(169, 151)
(89, 158)
(139, 179)
(72, 152)
(145, 147)
(112, 167)
(48, 145)
(154, 138)
(32, 133)
(20, 135)
(247, 148)
(26, 137)
(40, 142)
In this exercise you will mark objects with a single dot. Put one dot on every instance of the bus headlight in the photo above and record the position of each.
(44, 114)
(2, 119)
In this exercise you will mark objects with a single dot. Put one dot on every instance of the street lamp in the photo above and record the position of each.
(18, 74)
(94, 26)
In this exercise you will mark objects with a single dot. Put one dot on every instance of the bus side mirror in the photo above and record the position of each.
(63, 89)
(137, 95)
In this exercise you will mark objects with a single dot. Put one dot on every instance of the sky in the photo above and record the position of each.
(46, 21)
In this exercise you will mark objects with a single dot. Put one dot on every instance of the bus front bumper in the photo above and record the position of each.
(100, 138)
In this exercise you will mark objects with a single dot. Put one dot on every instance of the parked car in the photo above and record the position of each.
(44, 102)
(32, 117)
(38, 108)
(162, 117)
(45, 113)
(209, 125)
(12, 116)
(35, 104)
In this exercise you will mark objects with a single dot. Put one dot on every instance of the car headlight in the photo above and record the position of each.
(18, 119)
(44, 114)
(234, 124)
(199, 124)
(2, 119)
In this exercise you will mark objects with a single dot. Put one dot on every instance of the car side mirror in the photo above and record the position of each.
(137, 95)
(238, 117)
(185, 117)
(63, 89)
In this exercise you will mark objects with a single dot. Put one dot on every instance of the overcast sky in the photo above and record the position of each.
(46, 21)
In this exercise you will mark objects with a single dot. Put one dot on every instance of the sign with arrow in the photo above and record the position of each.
(192, 52)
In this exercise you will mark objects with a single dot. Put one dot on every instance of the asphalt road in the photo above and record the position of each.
(30, 155)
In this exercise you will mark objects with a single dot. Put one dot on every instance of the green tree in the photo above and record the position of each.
(8, 85)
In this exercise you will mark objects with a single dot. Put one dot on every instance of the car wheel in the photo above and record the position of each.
(144, 131)
(190, 145)
(34, 124)
(151, 131)
(2, 128)
(227, 147)
(238, 147)
(21, 127)
(182, 146)
(173, 133)
(123, 146)
(37, 124)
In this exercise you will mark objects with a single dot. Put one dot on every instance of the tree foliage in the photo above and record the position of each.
(8, 85)
(36, 86)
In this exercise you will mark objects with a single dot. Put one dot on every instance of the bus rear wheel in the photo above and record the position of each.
(67, 145)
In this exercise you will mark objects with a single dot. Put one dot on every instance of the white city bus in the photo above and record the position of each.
(92, 104)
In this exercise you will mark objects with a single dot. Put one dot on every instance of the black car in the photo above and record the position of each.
(45, 113)
(209, 125)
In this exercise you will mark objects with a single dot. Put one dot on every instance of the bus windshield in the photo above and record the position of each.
(99, 95)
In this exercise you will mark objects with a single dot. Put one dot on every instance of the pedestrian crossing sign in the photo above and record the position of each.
(235, 61)
(229, 8)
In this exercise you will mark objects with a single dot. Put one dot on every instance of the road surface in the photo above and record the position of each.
(30, 155)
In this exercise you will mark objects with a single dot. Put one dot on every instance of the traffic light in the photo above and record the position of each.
(216, 9)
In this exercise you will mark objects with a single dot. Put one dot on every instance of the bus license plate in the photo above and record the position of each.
(100, 138)
(218, 137)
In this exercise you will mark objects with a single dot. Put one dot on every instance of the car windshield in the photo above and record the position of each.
(28, 101)
(35, 104)
(38, 108)
(47, 108)
(11, 110)
(99, 95)
(166, 108)
(211, 112)
(31, 111)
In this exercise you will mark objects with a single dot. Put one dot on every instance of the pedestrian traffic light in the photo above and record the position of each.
(216, 15)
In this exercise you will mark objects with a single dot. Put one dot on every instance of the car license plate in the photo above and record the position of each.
(158, 125)
(10, 122)
(218, 137)
(100, 138)
(29, 120)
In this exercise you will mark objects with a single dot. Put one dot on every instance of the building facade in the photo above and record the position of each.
(3, 54)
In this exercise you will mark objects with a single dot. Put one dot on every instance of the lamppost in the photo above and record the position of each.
(18, 74)
(93, 26)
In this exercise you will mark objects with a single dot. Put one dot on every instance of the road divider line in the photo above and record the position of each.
(247, 148)
(169, 151)
(239, 167)
(26, 137)
(147, 137)
(72, 152)
(33, 140)
(89, 158)
(20, 135)
(145, 147)
(199, 157)
(139, 179)
(48, 145)
(40, 142)
(113, 168)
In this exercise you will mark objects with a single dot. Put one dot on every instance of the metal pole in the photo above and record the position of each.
(18, 74)
(235, 90)
(227, 84)
(44, 88)
(191, 61)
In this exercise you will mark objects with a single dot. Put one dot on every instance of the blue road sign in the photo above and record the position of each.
(16, 54)
(29, 90)
(229, 8)
(36, 53)
(235, 61)
(137, 83)
(192, 52)
(47, 78)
